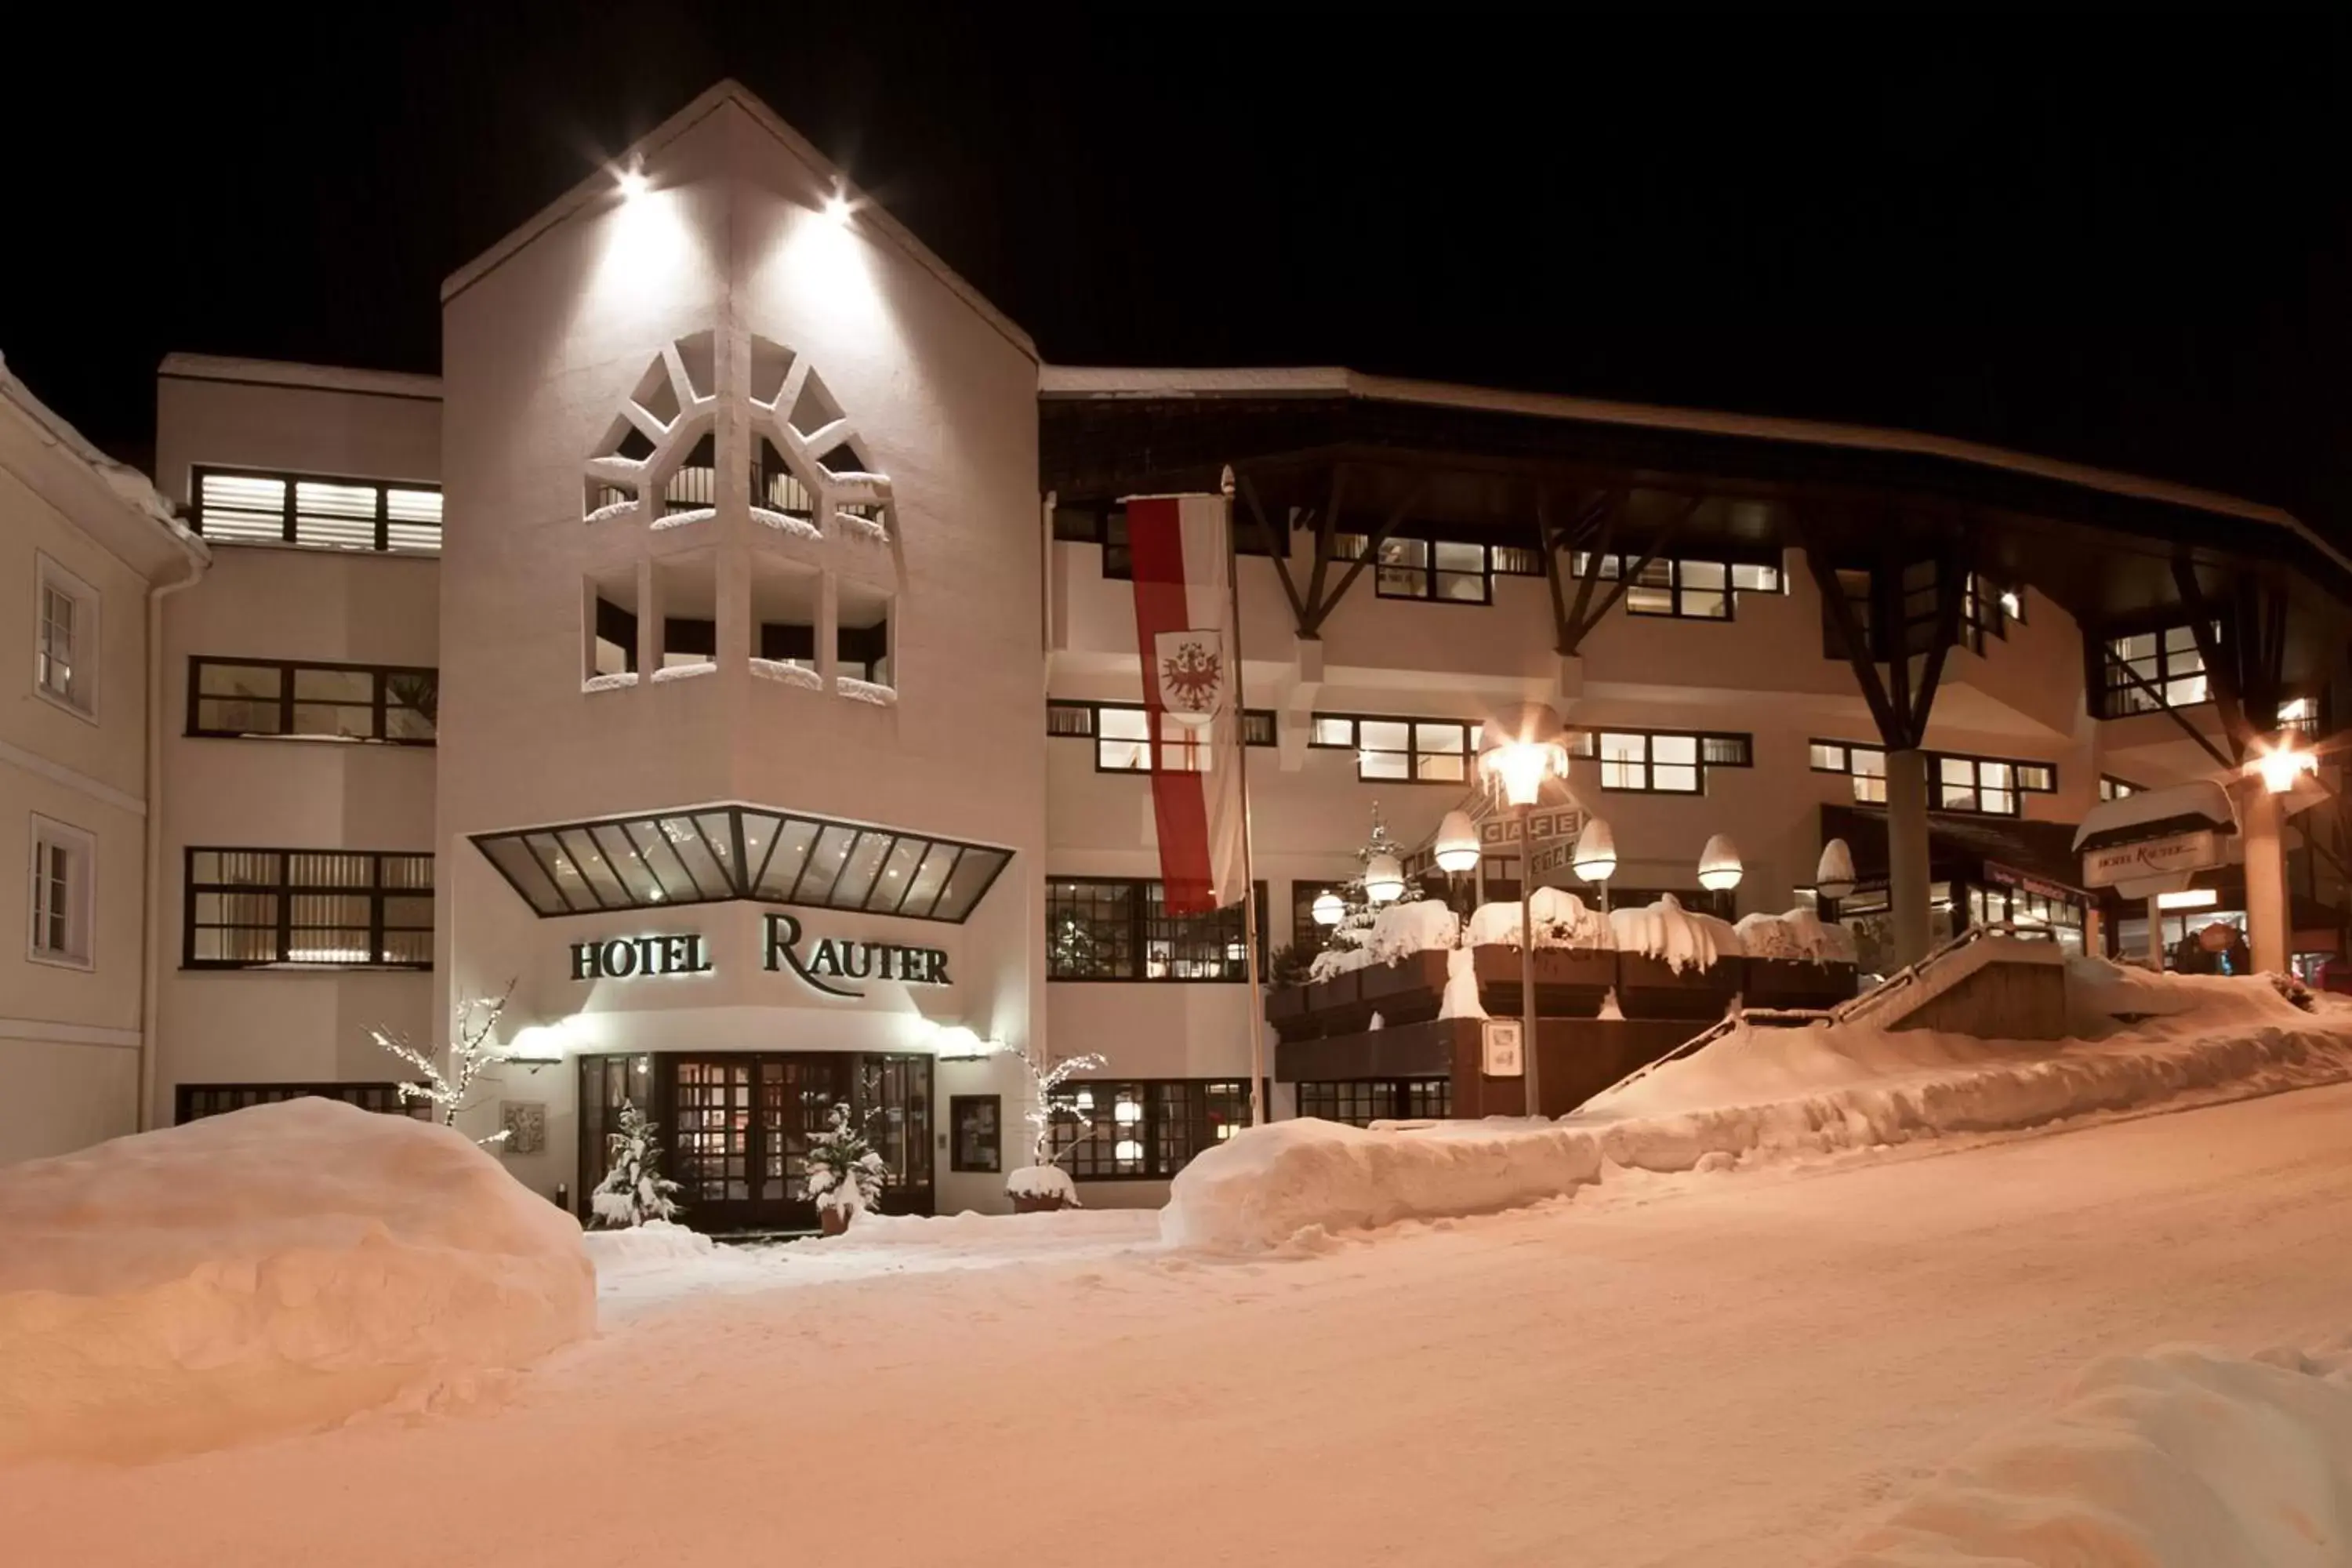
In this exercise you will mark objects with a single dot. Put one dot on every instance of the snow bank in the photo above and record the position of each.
(277, 1268)
(1683, 939)
(1756, 1095)
(656, 1244)
(2183, 1458)
(1460, 998)
(1561, 919)
(1267, 1185)
(1799, 935)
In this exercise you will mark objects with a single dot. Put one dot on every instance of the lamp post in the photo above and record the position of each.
(2279, 763)
(1518, 750)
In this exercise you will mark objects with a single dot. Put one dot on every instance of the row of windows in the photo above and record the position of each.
(1122, 735)
(249, 697)
(1440, 751)
(1363, 1102)
(250, 508)
(1120, 927)
(1143, 1129)
(251, 907)
(1684, 589)
(1987, 787)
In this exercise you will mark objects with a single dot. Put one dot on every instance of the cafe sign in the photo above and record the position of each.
(2150, 858)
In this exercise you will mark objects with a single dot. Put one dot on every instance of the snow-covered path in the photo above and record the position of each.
(1744, 1370)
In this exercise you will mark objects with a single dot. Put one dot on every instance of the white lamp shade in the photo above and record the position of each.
(1835, 877)
(1595, 857)
(1330, 908)
(1457, 843)
(1719, 869)
(1383, 879)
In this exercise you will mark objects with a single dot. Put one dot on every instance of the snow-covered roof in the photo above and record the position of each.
(136, 510)
(870, 215)
(285, 372)
(1335, 381)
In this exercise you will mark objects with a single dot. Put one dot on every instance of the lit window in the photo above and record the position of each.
(1402, 751)
(1145, 1131)
(1665, 763)
(1120, 927)
(2111, 788)
(1684, 589)
(2299, 713)
(1443, 570)
(316, 513)
(2151, 670)
(64, 640)
(1989, 786)
(254, 906)
(62, 861)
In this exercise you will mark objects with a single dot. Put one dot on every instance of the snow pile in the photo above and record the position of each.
(1758, 1095)
(1683, 939)
(1266, 1186)
(2183, 1458)
(1422, 925)
(1460, 998)
(785, 522)
(656, 1244)
(1798, 936)
(277, 1268)
(1560, 920)
(872, 691)
(1043, 1182)
(790, 674)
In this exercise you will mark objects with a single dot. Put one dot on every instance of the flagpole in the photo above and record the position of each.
(1258, 1117)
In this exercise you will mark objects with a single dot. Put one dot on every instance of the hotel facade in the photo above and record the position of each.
(730, 659)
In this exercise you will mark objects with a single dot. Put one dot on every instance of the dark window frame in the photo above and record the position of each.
(956, 1161)
(1366, 1100)
(1072, 718)
(1083, 1150)
(1470, 729)
(1934, 761)
(381, 703)
(1588, 738)
(1140, 897)
(286, 892)
(1610, 566)
(383, 1098)
(2114, 788)
(290, 513)
(2112, 691)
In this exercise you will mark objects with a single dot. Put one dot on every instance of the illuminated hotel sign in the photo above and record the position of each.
(628, 957)
(823, 964)
(829, 961)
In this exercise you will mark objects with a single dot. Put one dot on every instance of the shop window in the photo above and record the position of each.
(1362, 1102)
(1120, 927)
(1402, 751)
(242, 698)
(64, 640)
(194, 1102)
(242, 507)
(2147, 671)
(1660, 762)
(248, 907)
(1143, 1130)
(64, 866)
(976, 1132)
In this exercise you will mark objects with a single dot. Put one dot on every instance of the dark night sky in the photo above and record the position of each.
(2123, 238)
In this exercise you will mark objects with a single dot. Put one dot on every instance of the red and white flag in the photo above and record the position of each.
(1184, 630)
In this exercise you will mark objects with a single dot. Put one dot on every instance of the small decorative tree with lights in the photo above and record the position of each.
(1043, 1184)
(471, 1054)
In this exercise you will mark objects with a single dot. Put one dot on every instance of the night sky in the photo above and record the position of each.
(2120, 238)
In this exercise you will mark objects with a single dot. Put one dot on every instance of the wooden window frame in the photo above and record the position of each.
(284, 891)
(291, 514)
(1144, 927)
(1073, 1145)
(1470, 729)
(380, 705)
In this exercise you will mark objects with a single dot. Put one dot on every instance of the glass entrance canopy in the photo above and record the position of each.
(710, 854)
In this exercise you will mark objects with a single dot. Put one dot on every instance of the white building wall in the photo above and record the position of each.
(292, 1024)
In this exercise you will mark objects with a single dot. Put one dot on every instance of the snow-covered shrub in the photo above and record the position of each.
(1334, 961)
(1798, 936)
(633, 1191)
(2290, 987)
(1561, 919)
(1682, 938)
(1420, 925)
(844, 1171)
(1045, 1183)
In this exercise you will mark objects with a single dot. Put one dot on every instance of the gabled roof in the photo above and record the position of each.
(115, 503)
(870, 217)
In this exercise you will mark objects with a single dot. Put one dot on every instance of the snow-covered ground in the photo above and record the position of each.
(1741, 1368)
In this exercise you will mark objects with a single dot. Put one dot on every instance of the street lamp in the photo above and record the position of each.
(1834, 878)
(1719, 869)
(1383, 879)
(1457, 844)
(1329, 908)
(1518, 749)
(1594, 858)
(2281, 763)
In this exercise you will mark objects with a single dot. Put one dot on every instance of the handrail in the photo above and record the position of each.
(1844, 1012)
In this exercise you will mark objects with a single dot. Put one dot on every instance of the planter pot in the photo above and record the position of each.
(1571, 982)
(831, 1221)
(1037, 1202)
(1648, 988)
(1797, 982)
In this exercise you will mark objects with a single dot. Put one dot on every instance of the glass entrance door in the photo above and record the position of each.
(739, 1126)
